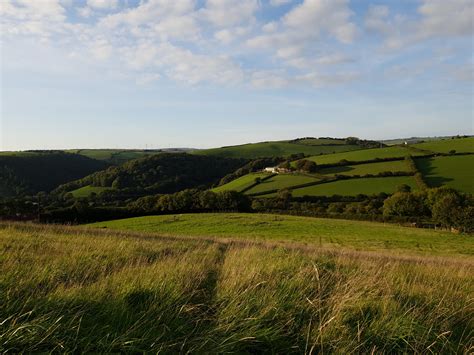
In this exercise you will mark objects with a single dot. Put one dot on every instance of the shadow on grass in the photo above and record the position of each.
(428, 170)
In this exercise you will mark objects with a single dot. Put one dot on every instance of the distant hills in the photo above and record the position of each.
(86, 171)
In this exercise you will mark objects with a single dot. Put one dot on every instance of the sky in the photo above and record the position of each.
(209, 73)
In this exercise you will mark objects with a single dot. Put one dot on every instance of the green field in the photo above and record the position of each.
(117, 156)
(353, 187)
(88, 190)
(322, 141)
(241, 183)
(68, 289)
(273, 149)
(281, 181)
(452, 171)
(323, 232)
(460, 145)
(363, 169)
(366, 154)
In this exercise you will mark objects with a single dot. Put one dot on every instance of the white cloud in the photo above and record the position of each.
(24, 17)
(84, 11)
(102, 4)
(228, 13)
(446, 18)
(437, 19)
(314, 16)
(299, 31)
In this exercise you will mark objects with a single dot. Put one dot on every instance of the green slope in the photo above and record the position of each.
(363, 169)
(452, 171)
(282, 181)
(88, 190)
(460, 145)
(353, 187)
(366, 154)
(274, 149)
(241, 183)
(341, 233)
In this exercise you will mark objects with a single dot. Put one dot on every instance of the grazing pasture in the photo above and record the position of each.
(241, 183)
(366, 154)
(353, 187)
(282, 181)
(364, 169)
(312, 231)
(69, 289)
(274, 149)
(460, 145)
(453, 171)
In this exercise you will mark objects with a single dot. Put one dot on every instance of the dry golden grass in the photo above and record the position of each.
(76, 289)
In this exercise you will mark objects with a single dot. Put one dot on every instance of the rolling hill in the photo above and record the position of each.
(307, 146)
(32, 172)
(161, 173)
(460, 145)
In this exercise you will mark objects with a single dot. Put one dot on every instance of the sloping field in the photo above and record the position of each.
(460, 145)
(240, 183)
(353, 187)
(88, 190)
(273, 149)
(453, 171)
(363, 169)
(116, 156)
(322, 141)
(282, 181)
(67, 289)
(320, 231)
(366, 154)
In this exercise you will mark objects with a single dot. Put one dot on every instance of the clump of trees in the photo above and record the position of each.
(446, 207)
(308, 166)
(161, 173)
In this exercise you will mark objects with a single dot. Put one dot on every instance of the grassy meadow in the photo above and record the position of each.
(274, 149)
(365, 154)
(353, 187)
(70, 289)
(453, 171)
(460, 145)
(356, 235)
(241, 183)
(364, 169)
(282, 181)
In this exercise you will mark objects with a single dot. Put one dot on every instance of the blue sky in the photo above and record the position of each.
(206, 73)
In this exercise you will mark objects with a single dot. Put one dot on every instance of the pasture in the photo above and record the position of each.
(355, 235)
(274, 149)
(241, 183)
(453, 171)
(460, 145)
(353, 187)
(282, 181)
(364, 169)
(365, 154)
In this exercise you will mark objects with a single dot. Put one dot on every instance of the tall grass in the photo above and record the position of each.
(72, 289)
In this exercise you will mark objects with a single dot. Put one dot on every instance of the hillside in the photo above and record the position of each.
(372, 171)
(77, 289)
(459, 145)
(32, 172)
(162, 173)
(307, 146)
